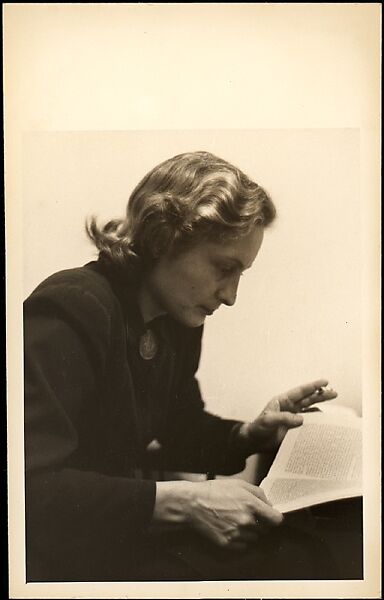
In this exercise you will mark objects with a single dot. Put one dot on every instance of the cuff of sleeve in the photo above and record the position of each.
(235, 455)
(145, 502)
(236, 447)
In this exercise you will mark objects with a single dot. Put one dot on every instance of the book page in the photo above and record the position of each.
(317, 462)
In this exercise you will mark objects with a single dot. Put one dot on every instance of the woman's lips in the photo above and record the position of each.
(208, 311)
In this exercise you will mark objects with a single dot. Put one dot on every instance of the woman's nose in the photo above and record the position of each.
(228, 292)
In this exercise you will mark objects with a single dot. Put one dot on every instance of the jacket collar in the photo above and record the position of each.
(125, 287)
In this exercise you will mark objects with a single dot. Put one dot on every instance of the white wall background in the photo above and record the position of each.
(298, 314)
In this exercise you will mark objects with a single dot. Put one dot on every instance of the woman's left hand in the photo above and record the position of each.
(267, 431)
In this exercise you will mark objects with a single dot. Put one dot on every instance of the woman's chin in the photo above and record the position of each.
(191, 318)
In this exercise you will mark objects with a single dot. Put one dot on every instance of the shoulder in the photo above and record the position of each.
(81, 288)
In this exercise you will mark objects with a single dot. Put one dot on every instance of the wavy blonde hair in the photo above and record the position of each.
(183, 200)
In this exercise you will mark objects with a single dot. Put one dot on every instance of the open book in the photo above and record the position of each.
(317, 462)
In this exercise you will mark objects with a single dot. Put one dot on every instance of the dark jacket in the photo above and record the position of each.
(92, 405)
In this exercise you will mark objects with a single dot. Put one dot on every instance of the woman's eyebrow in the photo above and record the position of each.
(235, 261)
(232, 259)
(241, 265)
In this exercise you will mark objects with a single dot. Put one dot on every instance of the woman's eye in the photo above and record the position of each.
(224, 270)
(227, 271)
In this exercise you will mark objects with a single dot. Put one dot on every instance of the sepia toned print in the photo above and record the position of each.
(111, 354)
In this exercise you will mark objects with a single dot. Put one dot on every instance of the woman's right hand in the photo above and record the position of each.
(230, 512)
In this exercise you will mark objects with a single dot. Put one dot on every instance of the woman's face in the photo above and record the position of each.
(193, 284)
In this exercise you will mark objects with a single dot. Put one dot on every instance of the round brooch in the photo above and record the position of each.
(148, 345)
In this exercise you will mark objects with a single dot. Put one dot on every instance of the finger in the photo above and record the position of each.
(318, 397)
(257, 491)
(266, 512)
(262, 508)
(298, 393)
(273, 420)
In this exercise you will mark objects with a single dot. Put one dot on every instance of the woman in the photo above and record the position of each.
(111, 352)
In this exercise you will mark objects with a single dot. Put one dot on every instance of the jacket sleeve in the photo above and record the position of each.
(67, 332)
(196, 440)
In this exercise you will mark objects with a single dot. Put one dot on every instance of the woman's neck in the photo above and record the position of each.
(149, 308)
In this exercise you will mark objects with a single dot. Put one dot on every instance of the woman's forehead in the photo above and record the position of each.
(241, 250)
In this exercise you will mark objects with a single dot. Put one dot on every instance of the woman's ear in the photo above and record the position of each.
(160, 241)
(156, 248)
